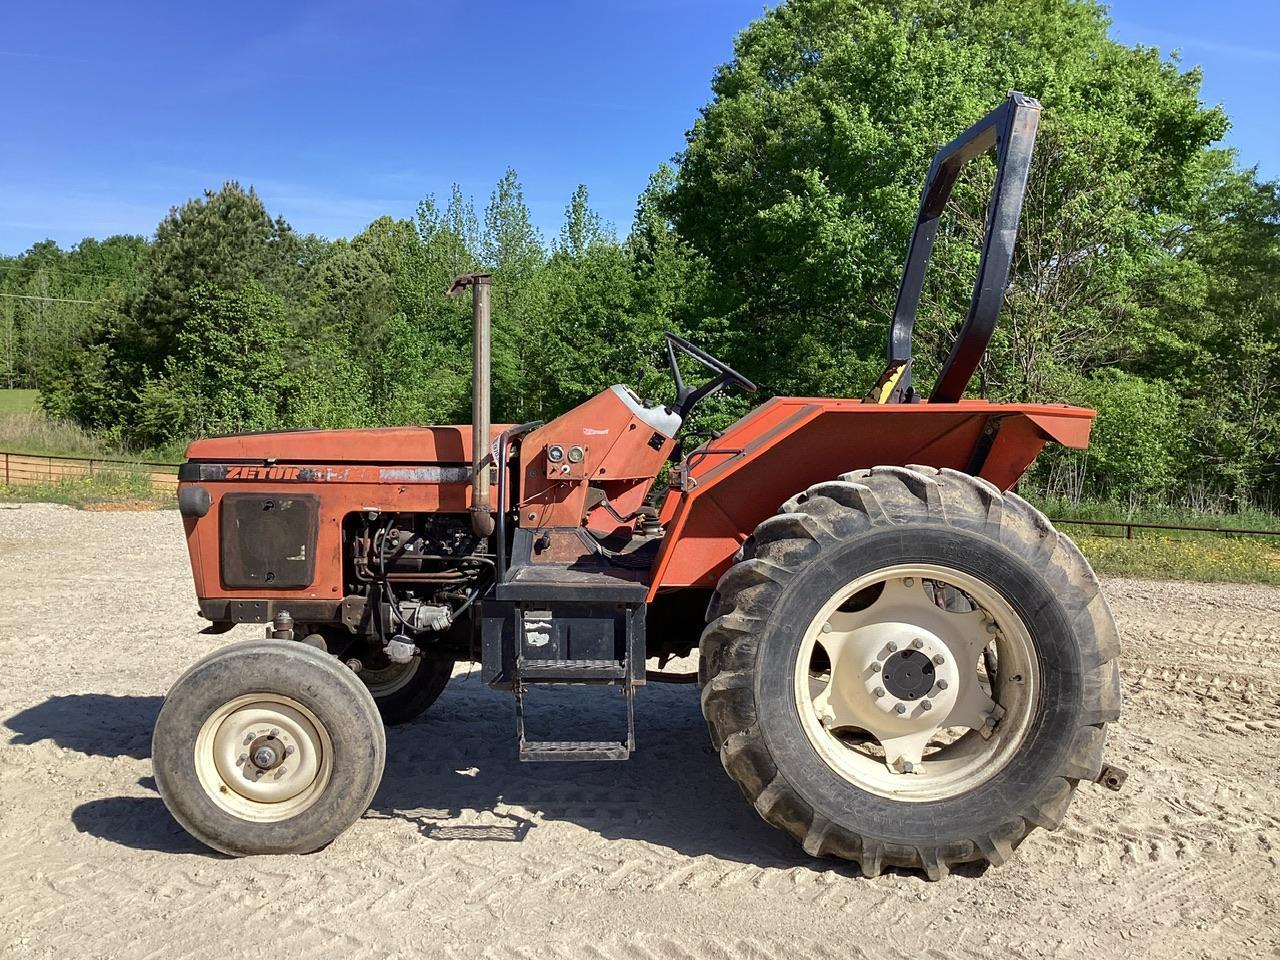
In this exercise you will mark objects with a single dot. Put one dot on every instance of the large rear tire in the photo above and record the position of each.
(267, 747)
(908, 668)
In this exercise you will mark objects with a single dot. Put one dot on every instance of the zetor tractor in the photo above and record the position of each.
(901, 662)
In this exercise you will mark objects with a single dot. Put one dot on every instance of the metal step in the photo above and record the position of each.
(544, 750)
(571, 671)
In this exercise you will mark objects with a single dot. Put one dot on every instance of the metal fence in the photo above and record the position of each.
(26, 469)
(1130, 525)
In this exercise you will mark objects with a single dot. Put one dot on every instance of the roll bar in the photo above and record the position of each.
(1011, 129)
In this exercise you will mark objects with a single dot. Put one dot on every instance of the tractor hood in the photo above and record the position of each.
(450, 444)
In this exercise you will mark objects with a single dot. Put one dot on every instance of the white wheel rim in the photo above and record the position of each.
(387, 680)
(263, 757)
(866, 714)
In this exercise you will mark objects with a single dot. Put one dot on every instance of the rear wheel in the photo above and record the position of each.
(267, 747)
(909, 668)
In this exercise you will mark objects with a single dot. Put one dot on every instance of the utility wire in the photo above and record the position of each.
(23, 296)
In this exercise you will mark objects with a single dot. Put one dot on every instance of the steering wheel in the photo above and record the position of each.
(686, 396)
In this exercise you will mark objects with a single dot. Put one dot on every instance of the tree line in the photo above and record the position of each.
(1143, 281)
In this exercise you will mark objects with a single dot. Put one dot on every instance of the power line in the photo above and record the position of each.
(57, 270)
(23, 296)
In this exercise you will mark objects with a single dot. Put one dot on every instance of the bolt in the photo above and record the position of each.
(354, 665)
(878, 692)
(939, 659)
(826, 628)
(875, 666)
(264, 757)
(926, 705)
(906, 766)
(241, 759)
(891, 646)
(917, 643)
(533, 516)
(908, 582)
(289, 751)
(250, 737)
(942, 684)
(900, 708)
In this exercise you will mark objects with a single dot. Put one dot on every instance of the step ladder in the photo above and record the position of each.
(612, 673)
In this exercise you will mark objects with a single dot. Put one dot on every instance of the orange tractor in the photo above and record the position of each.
(901, 662)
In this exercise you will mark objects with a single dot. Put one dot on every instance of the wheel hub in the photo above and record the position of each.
(267, 752)
(902, 672)
(908, 674)
(263, 757)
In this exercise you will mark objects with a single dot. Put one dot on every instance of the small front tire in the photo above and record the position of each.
(268, 747)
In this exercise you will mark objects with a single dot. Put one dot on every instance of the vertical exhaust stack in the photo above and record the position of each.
(481, 355)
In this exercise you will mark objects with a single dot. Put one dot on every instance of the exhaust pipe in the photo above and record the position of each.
(481, 354)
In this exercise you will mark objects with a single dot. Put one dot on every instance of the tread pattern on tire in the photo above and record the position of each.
(857, 503)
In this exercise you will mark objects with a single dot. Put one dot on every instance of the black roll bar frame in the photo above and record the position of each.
(1011, 129)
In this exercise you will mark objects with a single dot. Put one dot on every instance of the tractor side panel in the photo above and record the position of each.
(745, 475)
(260, 561)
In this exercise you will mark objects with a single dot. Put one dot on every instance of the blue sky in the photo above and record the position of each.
(341, 112)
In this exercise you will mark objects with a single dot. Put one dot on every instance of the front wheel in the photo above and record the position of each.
(267, 747)
(907, 667)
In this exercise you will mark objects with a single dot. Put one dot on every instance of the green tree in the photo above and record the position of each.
(800, 181)
(227, 372)
(512, 250)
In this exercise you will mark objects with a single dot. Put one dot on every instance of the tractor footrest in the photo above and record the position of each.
(574, 750)
(571, 671)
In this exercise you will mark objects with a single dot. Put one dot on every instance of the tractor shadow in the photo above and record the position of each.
(454, 774)
(458, 764)
(102, 725)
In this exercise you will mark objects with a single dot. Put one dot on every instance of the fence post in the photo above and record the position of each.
(6, 469)
(1128, 531)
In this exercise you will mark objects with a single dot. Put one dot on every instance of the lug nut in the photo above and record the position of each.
(917, 643)
(908, 582)
(878, 692)
(826, 628)
(891, 646)
(939, 659)
(942, 684)
(926, 705)
(875, 666)
(900, 708)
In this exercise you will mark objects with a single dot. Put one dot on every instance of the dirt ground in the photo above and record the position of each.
(467, 852)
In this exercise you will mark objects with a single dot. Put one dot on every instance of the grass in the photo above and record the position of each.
(17, 401)
(33, 432)
(119, 489)
(1209, 559)
(24, 429)
(1172, 514)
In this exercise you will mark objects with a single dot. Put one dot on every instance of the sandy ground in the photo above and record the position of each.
(467, 853)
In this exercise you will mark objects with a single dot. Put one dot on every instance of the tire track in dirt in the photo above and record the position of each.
(469, 853)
